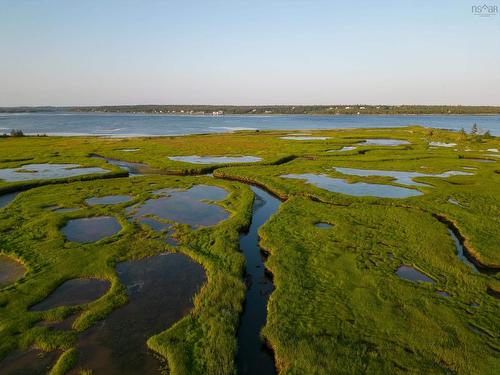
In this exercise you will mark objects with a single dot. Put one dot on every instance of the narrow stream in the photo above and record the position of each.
(253, 356)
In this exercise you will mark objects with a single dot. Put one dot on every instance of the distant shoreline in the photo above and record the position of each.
(209, 110)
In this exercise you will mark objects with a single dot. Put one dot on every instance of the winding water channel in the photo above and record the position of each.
(253, 356)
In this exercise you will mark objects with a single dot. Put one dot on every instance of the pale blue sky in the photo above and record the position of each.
(247, 52)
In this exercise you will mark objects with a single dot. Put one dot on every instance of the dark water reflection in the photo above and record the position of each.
(30, 362)
(410, 273)
(6, 199)
(185, 206)
(160, 291)
(73, 292)
(90, 229)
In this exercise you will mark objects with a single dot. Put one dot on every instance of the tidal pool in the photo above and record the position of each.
(160, 291)
(73, 292)
(109, 199)
(410, 273)
(185, 206)
(10, 270)
(359, 189)
(442, 144)
(400, 177)
(304, 138)
(253, 356)
(90, 229)
(30, 362)
(323, 225)
(215, 159)
(383, 142)
(345, 148)
(63, 210)
(6, 199)
(46, 171)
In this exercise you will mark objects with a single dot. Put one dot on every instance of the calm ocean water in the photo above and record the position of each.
(119, 125)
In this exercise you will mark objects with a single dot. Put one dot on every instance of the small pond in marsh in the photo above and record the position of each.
(383, 142)
(410, 273)
(110, 199)
(73, 292)
(185, 206)
(195, 159)
(400, 177)
(6, 199)
(10, 270)
(304, 138)
(323, 225)
(90, 229)
(160, 291)
(45, 171)
(359, 189)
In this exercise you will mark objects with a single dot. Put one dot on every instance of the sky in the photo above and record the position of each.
(104, 52)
